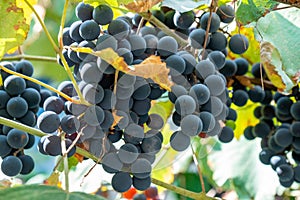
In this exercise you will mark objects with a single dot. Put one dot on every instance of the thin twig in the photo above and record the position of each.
(55, 47)
(66, 163)
(199, 170)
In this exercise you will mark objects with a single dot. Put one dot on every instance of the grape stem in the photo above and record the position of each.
(199, 170)
(30, 57)
(39, 83)
(55, 47)
(66, 164)
(149, 17)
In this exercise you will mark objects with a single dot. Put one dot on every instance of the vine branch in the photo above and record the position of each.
(30, 57)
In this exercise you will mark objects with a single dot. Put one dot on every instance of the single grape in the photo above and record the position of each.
(285, 172)
(262, 129)
(283, 137)
(14, 85)
(111, 162)
(74, 31)
(242, 66)
(265, 155)
(208, 121)
(52, 145)
(226, 13)
(217, 41)
(204, 68)
(70, 124)
(121, 181)
(184, 20)
(84, 11)
(11, 166)
(119, 29)
(48, 122)
(138, 44)
(94, 115)
(141, 184)
(103, 14)
(27, 164)
(185, 105)
(229, 68)
(240, 97)
(17, 107)
(32, 97)
(218, 59)
(238, 44)
(197, 38)
(179, 141)
(24, 67)
(214, 24)
(128, 153)
(215, 84)
(226, 135)
(176, 64)
(167, 46)
(17, 139)
(55, 104)
(133, 133)
(191, 125)
(151, 145)
(141, 168)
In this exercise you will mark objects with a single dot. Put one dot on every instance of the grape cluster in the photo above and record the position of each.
(279, 128)
(19, 101)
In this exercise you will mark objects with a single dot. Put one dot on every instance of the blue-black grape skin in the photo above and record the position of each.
(17, 139)
(48, 122)
(103, 14)
(11, 166)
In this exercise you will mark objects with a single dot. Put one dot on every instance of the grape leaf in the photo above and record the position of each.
(185, 6)
(53, 179)
(251, 10)
(34, 192)
(152, 67)
(283, 48)
(238, 162)
(14, 27)
(141, 5)
(245, 118)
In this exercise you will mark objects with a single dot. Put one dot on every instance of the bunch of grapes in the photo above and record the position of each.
(20, 100)
(127, 147)
(279, 128)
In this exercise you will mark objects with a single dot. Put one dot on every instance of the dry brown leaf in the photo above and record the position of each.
(244, 81)
(153, 68)
(141, 5)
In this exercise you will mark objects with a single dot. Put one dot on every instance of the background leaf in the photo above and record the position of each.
(251, 10)
(37, 192)
(281, 33)
(14, 28)
(185, 6)
(238, 163)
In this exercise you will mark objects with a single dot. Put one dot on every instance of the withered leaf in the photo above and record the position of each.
(141, 5)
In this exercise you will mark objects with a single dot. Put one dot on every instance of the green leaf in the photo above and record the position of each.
(251, 10)
(13, 25)
(282, 35)
(72, 162)
(186, 5)
(239, 163)
(222, 2)
(37, 192)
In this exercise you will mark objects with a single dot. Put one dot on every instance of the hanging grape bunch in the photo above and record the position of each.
(117, 104)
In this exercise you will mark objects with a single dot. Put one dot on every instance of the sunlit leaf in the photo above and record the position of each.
(251, 10)
(284, 46)
(33, 192)
(274, 68)
(252, 53)
(53, 179)
(152, 67)
(245, 118)
(184, 6)
(141, 5)
(14, 27)
(72, 162)
(238, 162)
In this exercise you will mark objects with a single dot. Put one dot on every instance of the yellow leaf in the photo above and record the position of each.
(53, 179)
(141, 5)
(27, 11)
(252, 54)
(274, 68)
(245, 118)
(153, 68)
(14, 25)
